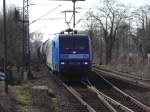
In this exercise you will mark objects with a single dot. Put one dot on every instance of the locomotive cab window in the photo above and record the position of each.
(67, 43)
(81, 43)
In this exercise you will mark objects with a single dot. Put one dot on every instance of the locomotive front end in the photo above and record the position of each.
(75, 53)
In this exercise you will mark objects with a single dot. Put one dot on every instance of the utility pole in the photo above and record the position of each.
(74, 17)
(74, 11)
(5, 46)
(26, 38)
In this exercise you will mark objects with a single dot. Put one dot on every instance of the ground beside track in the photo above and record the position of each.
(137, 70)
(43, 79)
(5, 100)
(23, 98)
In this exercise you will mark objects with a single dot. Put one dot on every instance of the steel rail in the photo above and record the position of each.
(78, 97)
(113, 102)
(110, 100)
(93, 89)
(144, 107)
(133, 99)
(130, 75)
(137, 82)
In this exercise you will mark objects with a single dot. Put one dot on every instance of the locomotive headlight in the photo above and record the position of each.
(62, 63)
(85, 63)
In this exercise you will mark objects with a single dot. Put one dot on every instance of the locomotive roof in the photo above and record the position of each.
(73, 35)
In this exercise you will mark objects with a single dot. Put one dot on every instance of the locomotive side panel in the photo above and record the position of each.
(55, 53)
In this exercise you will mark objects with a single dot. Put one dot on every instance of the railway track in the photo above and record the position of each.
(130, 75)
(96, 102)
(98, 95)
(123, 76)
(69, 103)
(85, 100)
(109, 91)
(103, 100)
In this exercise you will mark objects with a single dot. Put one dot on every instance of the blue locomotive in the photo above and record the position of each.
(68, 53)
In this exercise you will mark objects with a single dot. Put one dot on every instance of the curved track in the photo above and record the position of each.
(90, 98)
(112, 91)
(98, 94)
(132, 78)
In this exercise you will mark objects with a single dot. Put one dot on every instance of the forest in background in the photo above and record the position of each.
(14, 24)
(120, 33)
(14, 37)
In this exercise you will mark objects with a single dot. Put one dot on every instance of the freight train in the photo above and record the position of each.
(65, 53)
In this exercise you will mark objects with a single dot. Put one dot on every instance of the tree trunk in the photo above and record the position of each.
(109, 45)
(117, 49)
(101, 53)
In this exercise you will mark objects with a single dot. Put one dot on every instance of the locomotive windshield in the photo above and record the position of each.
(81, 43)
(74, 43)
(66, 43)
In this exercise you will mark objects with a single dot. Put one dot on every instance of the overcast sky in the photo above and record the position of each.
(52, 26)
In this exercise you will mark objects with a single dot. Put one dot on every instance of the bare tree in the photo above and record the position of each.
(110, 16)
(123, 40)
(36, 41)
(142, 38)
(1, 35)
(95, 33)
(14, 37)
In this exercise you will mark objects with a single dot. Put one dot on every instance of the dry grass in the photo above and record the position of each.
(1, 85)
(28, 101)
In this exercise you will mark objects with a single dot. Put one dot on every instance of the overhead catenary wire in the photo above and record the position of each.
(45, 26)
(83, 16)
(45, 14)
